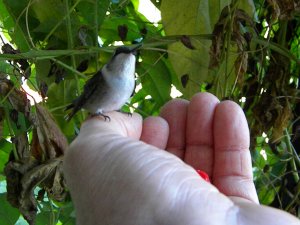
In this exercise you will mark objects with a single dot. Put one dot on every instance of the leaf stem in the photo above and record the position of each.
(275, 47)
(96, 24)
(71, 46)
(70, 68)
(49, 54)
(290, 150)
(27, 25)
(52, 215)
(11, 131)
(59, 23)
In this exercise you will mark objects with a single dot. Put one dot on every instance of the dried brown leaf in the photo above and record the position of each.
(22, 65)
(24, 177)
(51, 140)
(36, 149)
(2, 116)
(22, 146)
(241, 65)
(283, 9)
(17, 98)
(186, 41)
(184, 80)
(281, 122)
(14, 172)
(122, 31)
(236, 19)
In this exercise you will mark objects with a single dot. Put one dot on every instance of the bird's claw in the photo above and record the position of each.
(101, 114)
(106, 117)
(128, 113)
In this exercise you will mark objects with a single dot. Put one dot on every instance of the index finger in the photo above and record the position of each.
(175, 113)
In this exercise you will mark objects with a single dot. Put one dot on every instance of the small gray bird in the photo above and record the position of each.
(111, 87)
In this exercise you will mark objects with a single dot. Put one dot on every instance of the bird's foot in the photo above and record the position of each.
(128, 113)
(101, 114)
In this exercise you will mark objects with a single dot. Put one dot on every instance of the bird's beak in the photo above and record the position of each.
(135, 48)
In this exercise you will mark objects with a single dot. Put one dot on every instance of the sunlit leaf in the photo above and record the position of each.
(267, 194)
(194, 17)
(10, 16)
(155, 77)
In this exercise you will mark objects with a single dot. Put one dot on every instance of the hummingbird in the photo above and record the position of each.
(111, 87)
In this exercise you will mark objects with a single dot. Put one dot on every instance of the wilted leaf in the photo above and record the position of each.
(51, 140)
(17, 98)
(111, 24)
(14, 172)
(20, 64)
(39, 165)
(194, 17)
(43, 89)
(283, 9)
(57, 71)
(241, 66)
(22, 178)
(281, 122)
(123, 30)
(184, 80)
(22, 146)
(83, 66)
(36, 149)
(14, 115)
(186, 41)
(2, 116)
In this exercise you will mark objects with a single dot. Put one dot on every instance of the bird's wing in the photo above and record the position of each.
(88, 90)
(133, 91)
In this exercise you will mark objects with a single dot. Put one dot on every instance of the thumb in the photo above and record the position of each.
(119, 124)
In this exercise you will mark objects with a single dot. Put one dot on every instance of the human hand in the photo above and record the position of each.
(115, 178)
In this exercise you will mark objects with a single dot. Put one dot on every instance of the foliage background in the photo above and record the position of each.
(243, 50)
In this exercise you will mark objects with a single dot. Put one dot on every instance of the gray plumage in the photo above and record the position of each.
(110, 88)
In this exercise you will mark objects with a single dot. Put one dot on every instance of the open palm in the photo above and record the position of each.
(116, 178)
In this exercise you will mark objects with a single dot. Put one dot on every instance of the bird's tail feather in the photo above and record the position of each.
(69, 116)
(69, 107)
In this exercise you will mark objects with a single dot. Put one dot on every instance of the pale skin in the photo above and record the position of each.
(116, 178)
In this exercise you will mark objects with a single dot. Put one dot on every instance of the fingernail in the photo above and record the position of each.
(203, 175)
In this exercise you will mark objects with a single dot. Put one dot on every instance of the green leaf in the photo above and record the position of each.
(67, 214)
(43, 218)
(46, 10)
(10, 13)
(8, 214)
(5, 67)
(267, 194)
(93, 12)
(5, 149)
(279, 169)
(155, 77)
(42, 71)
(192, 17)
(258, 159)
(109, 29)
(59, 96)
(52, 16)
